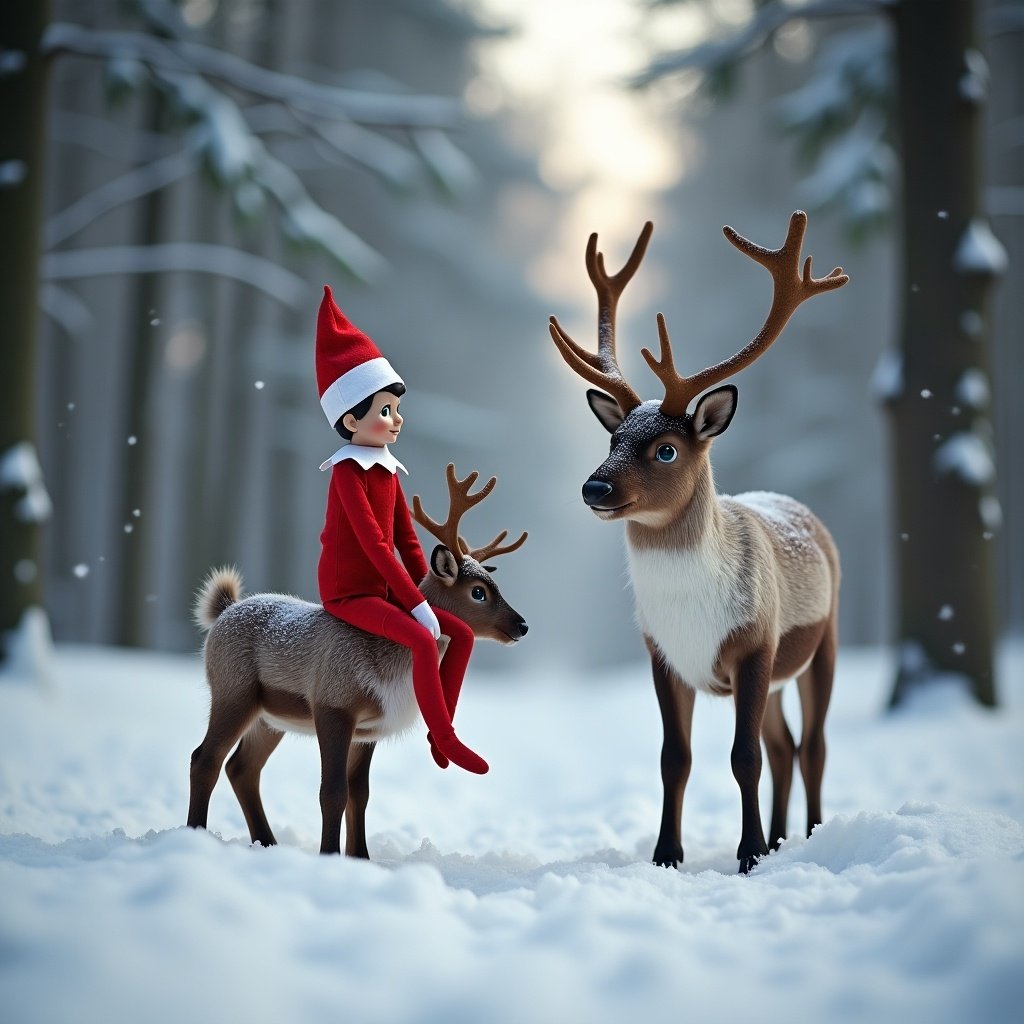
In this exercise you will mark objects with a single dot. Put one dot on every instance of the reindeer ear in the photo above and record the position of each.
(606, 409)
(490, 568)
(714, 412)
(444, 565)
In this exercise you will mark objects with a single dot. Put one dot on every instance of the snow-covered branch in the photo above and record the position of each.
(306, 223)
(354, 144)
(20, 472)
(190, 257)
(366, 108)
(449, 165)
(713, 54)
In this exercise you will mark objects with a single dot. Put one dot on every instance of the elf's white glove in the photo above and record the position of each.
(425, 616)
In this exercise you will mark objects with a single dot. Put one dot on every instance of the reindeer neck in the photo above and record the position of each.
(435, 592)
(699, 523)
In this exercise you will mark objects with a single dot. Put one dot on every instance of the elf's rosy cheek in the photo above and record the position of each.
(382, 428)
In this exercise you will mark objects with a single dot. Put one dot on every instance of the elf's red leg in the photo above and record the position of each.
(453, 668)
(376, 615)
(456, 658)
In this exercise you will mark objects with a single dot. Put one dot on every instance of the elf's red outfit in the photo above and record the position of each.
(361, 581)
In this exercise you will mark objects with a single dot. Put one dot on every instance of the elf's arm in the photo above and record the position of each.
(348, 479)
(406, 541)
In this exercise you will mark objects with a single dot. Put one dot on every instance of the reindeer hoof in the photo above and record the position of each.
(668, 856)
(747, 864)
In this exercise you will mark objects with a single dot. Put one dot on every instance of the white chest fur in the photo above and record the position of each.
(688, 603)
(398, 702)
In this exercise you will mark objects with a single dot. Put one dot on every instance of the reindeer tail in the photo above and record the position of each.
(220, 590)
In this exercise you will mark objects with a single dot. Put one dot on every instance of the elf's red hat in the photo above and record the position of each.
(349, 366)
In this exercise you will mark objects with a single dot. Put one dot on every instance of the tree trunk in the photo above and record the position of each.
(130, 531)
(944, 472)
(23, 500)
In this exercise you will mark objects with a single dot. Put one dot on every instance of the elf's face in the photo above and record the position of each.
(380, 426)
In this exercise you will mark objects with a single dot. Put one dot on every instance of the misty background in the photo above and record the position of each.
(179, 425)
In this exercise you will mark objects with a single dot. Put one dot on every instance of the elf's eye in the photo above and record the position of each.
(478, 594)
(665, 453)
(386, 411)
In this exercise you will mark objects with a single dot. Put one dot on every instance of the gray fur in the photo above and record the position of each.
(276, 663)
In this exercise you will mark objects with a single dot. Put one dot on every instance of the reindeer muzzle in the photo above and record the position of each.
(595, 492)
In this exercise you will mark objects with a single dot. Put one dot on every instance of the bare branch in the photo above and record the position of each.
(64, 307)
(714, 53)
(188, 257)
(102, 136)
(136, 183)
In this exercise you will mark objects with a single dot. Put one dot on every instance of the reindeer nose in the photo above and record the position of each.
(595, 491)
(523, 627)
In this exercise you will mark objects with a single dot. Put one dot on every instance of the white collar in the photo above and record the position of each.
(366, 456)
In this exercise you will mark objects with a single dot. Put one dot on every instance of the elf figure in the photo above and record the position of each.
(361, 580)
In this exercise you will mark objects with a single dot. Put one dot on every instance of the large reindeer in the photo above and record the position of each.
(734, 595)
(276, 664)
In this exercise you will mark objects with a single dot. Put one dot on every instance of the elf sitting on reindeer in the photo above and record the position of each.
(361, 580)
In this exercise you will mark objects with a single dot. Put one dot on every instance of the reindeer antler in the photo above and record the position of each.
(791, 287)
(494, 549)
(602, 368)
(461, 501)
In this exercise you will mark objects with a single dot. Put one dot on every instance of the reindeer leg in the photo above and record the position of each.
(750, 690)
(227, 722)
(778, 741)
(243, 771)
(815, 687)
(358, 797)
(675, 701)
(334, 728)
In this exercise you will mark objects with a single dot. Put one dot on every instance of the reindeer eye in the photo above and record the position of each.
(478, 594)
(665, 453)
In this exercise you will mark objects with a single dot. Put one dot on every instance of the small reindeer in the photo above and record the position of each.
(734, 595)
(276, 664)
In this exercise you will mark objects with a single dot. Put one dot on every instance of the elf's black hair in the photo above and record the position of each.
(360, 409)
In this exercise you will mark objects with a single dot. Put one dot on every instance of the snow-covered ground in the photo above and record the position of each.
(522, 896)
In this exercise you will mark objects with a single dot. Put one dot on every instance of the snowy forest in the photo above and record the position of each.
(179, 179)
(202, 169)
